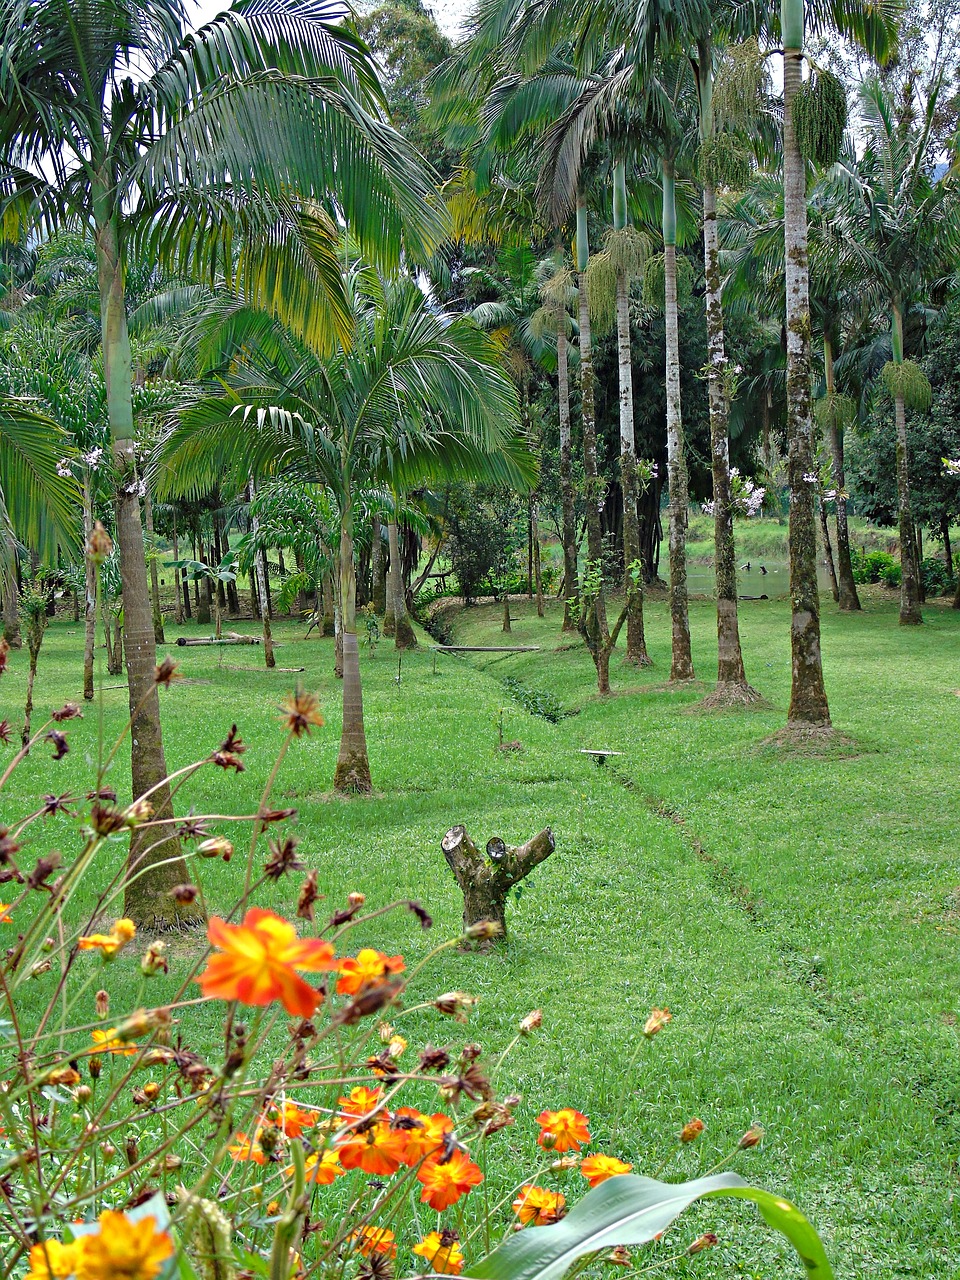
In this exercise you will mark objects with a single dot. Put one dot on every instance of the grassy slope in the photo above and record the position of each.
(808, 952)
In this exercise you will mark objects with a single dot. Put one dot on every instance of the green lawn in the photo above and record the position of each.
(798, 915)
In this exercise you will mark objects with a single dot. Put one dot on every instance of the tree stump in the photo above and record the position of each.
(486, 878)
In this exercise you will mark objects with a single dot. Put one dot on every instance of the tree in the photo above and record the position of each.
(175, 163)
(416, 394)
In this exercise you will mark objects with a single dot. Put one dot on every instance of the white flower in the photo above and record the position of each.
(64, 469)
(707, 508)
(92, 459)
(810, 477)
(951, 466)
(138, 488)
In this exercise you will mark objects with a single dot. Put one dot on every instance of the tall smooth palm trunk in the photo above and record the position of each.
(681, 664)
(847, 596)
(571, 576)
(378, 568)
(808, 695)
(89, 593)
(178, 594)
(155, 610)
(910, 612)
(732, 686)
(259, 556)
(155, 864)
(352, 773)
(593, 614)
(404, 635)
(632, 568)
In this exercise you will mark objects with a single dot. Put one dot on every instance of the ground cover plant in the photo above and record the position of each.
(827, 1019)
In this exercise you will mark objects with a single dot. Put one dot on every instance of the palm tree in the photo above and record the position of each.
(897, 230)
(416, 394)
(261, 124)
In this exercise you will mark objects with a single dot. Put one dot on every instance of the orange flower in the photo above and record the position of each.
(322, 1167)
(378, 1150)
(123, 1250)
(52, 1261)
(369, 1240)
(258, 963)
(423, 1134)
(442, 1250)
(291, 1119)
(597, 1169)
(445, 1181)
(564, 1130)
(539, 1206)
(368, 968)
(691, 1130)
(107, 1042)
(5, 916)
(244, 1148)
(123, 931)
(360, 1101)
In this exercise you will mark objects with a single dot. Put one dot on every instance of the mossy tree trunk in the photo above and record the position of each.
(808, 695)
(681, 664)
(155, 610)
(155, 864)
(378, 564)
(568, 537)
(258, 559)
(910, 612)
(847, 596)
(404, 635)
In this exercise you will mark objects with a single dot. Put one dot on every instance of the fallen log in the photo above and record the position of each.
(486, 878)
(230, 638)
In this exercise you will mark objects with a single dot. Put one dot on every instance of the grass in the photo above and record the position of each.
(799, 915)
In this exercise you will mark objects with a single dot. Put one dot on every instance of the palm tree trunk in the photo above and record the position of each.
(268, 658)
(632, 568)
(947, 549)
(154, 576)
(403, 632)
(537, 565)
(177, 579)
(378, 562)
(910, 612)
(352, 773)
(11, 595)
(828, 551)
(593, 619)
(847, 596)
(155, 864)
(681, 665)
(571, 577)
(808, 696)
(89, 593)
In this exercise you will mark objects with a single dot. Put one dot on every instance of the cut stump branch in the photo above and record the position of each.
(485, 878)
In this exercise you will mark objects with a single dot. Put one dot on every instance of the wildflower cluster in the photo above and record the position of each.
(746, 496)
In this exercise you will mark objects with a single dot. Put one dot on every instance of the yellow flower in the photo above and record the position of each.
(123, 1250)
(52, 1261)
(442, 1250)
(123, 931)
(107, 1042)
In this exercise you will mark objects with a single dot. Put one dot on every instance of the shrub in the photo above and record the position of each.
(935, 578)
(874, 566)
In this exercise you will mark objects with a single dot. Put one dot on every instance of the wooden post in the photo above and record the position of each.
(486, 878)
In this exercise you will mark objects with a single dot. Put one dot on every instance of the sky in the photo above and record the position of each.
(449, 13)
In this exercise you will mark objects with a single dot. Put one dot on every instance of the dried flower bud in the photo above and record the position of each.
(60, 744)
(434, 1059)
(151, 1090)
(270, 1138)
(99, 544)
(531, 1022)
(166, 672)
(83, 1094)
(656, 1022)
(102, 1003)
(69, 711)
(751, 1138)
(309, 894)
(483, 930)
(142, 1022)
(356, 899)
(301, 711)
(41, 967)
(691, 1131)
(283, 858)
(154, 959)
(131, 1150)
(157, 1057)
(455, 1004)
(565, 1163)
(95, 1066)
(216, 847)
(512, 1100)
(706, 1241)
(184, 894)
(620, 1256)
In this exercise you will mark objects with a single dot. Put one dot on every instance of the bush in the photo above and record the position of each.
(539, 702)
(875, 566)
(936, 581)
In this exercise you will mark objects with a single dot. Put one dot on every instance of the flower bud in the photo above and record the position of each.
(751, 1138)
(99, 544)
(95, 1066)
(47, 945)
(154, 959)
(131, 1150)
(184, 894)
(706, 1241)
(108, 1150)
(102, 999)
(356, 899)
(656, 1022)
(140, 811)
(455, 1004)
(83, 1094)
(41, 967)
(531, 1022)
(483, 930)
(216, 847)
